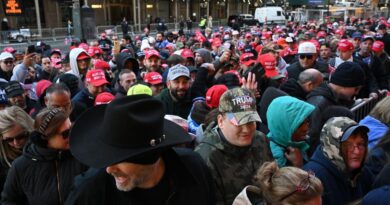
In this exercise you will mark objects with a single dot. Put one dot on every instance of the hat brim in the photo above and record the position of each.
(242, 118)
(271, 73)
(15, 93)
(99, 82)
(87, 146)
(352, 129)
(249, 62)
(83, 57)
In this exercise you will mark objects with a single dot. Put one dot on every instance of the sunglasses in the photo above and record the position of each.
(8, 62)
(248, 59)
(20, 136)
(303, 185)
(308, 56)
(65, 134)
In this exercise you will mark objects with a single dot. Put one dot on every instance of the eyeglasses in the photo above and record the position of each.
(8, 62)
(18, 137)
(351, 147)
(303, 185)
(308, 56)
(65, 134)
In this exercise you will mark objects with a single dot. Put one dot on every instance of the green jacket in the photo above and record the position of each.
(232, 167)
(284, 115)
(172, 107)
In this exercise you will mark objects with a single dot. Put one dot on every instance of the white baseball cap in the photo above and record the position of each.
(307, 48)
(6, 55)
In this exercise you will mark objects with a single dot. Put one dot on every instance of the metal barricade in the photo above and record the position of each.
(362, 109)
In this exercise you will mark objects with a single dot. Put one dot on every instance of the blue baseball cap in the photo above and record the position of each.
(348, 132)
(357, 34)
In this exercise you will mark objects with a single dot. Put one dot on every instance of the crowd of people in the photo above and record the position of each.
(256, 115)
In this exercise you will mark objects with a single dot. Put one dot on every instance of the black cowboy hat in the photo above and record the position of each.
(127, 128)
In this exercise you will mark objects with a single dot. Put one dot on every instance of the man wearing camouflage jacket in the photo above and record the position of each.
(233, 149)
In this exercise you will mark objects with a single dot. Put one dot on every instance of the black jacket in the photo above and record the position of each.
(84, 98)
(321, 97)
(190, 180)
(370, 82)
(40, 176)
(294, 89)
(375, 66)
(295, 69)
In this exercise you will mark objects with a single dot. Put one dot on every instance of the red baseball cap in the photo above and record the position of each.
(151, 53)
(321, 34)
(96, 77)
(248, 35)
(153, 78)
(104, 98)
(83, 56)
(378, 46)
(235, 72)
(247, 59)
(345, 45)
(84, 46)
(339, 31)
(100, 64)
(268, 61)
(213, 95)
(92, 51)
(187, 53)
(9, 50)
(41, 86)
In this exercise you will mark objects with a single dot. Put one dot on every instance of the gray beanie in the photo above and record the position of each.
(205, 54)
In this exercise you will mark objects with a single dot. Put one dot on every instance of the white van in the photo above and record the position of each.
(270, 14)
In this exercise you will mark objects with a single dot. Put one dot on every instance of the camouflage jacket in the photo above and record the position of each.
(232, 167)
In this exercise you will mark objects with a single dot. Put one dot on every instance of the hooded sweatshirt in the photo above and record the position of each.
(74, 53)
(340, 186)
(205, 54)
(285, 114)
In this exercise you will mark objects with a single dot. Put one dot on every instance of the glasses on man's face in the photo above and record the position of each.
(8, 62)
(351, 147)
(18, 137)
(65, 134)
(303, 185)
(308, 56)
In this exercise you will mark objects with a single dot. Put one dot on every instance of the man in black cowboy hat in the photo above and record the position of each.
(133, 142)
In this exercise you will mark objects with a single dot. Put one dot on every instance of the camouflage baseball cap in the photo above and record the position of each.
(340, 128)
(335, 131)
(239, 105)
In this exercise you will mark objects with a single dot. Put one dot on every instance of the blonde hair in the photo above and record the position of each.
(10, 117)
(381, 111)
(277, 183)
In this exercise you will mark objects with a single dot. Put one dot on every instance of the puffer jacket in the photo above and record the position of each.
(40, 176)
(232, 167)
(285, 114)
(340, 186)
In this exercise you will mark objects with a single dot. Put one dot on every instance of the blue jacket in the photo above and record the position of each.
(377, 130)
(337, 188)
(285, 114)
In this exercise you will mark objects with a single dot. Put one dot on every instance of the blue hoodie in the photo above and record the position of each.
(377, 130)
(284, 115)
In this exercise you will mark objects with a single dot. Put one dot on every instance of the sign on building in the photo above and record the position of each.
(12, 7)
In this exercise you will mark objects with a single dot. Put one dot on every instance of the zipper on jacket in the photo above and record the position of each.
(169, 198)
(58, 179)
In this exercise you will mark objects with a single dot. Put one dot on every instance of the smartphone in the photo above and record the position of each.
(31, 49)
(116, 46)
